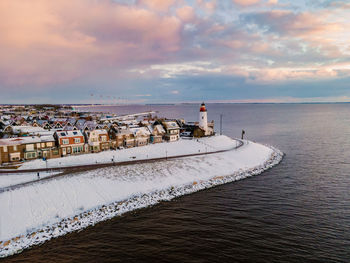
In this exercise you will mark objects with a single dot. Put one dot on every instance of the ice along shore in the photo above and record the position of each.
(37, 212)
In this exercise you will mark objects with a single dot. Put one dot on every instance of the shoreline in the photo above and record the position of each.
(109, 210)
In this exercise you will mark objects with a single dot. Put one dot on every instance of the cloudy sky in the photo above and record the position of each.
(161, 51)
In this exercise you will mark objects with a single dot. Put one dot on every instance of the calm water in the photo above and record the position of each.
(297, 212)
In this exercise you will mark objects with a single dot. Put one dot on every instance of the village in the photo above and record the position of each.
(50, 131)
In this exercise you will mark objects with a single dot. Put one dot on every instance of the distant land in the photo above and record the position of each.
(170, 104)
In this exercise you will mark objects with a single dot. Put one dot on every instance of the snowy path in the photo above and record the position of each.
(151, 151)
(13, 181)
(38, 212)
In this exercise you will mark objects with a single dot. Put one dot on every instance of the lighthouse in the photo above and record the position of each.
(203, 118)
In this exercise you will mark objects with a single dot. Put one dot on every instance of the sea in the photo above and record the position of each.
(298, 211)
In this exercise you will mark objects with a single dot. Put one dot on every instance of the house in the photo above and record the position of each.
(19, 120)
(70, 142)
(128, 138)
(42, 123)
(200, 132)
(58, 123)
(27, 148)
(172, 130)
(80, 124)
(10, 150)
(106, 126)
(71, 121)
(98, 140)
(39, 147)
(90, 126)
(69, 127)
(141, 135)
(122, 136)
(157, 133)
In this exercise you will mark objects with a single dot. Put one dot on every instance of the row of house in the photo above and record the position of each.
(49, 117)
(43, 144)
(55, 136)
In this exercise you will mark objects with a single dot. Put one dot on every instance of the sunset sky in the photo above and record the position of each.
(162, 51)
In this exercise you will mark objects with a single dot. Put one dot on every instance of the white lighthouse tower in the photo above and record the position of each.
(203, 118)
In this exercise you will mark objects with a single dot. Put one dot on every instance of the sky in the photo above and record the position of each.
(169, 51)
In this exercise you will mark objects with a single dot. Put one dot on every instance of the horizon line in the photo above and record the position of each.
(170, 103)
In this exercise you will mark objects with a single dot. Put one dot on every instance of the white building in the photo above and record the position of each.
(172, 130)
(98, 140)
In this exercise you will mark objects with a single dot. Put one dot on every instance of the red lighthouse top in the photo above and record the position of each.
(202, 108)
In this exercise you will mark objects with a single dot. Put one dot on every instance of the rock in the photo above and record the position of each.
(7, 243)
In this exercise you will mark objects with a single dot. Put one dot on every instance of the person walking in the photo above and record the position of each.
(243, 132)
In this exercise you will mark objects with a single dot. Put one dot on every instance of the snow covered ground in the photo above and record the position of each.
(13, 179)
(38, 212)
(180, 147)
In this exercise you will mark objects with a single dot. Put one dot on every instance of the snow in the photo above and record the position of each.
(27, 140)
(180, 147)
(11, 179)
(68, 134)
(43, 210)
(27, 129)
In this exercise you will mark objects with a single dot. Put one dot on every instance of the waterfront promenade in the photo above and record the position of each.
(79, 168)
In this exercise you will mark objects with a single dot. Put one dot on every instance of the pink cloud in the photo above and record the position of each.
(246, 2)
(48, 42)
(208, 6)
(45, 42)
(303, 24)
(159, 5)
(185, 13)
(321, 30)
(285, 74)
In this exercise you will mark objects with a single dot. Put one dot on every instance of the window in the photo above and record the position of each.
(77, 149)
(104, 138)
(15, 156)
(15, 147)
(76, 140)
(30, 147)
(30, 155)
(75, 133)
(38, 145)
(65, 141)
(49, 144)
(43, 145)
(5, 149)
(63, 134)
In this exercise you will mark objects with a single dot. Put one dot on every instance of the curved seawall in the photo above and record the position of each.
(38, 212)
